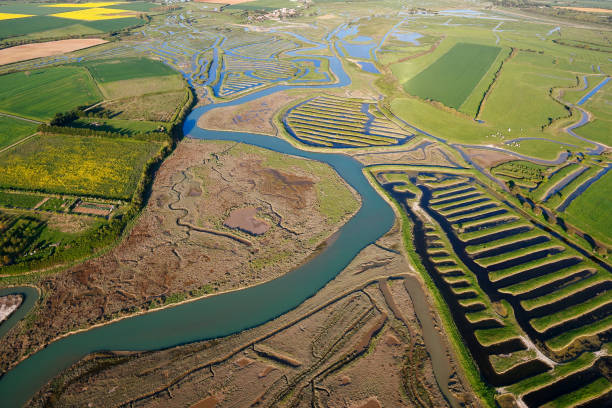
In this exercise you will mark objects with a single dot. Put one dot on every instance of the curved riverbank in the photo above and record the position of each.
(220, 315)
(30, 295)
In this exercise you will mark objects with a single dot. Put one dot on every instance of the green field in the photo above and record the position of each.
(23, 26)
(521, 101)
(127, 68)
(77, 165)
(266, 5)
(452, 77)
(17, 200)
(134, 77)
(586, 213)
(11, 130)
(42, 93)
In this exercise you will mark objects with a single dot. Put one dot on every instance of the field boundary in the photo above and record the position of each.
(10, 115)
(18, 142)
(489, 90)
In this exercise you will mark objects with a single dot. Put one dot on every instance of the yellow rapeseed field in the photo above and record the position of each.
(85, 5)
(76, 165)
(9, 16)
(94, 14)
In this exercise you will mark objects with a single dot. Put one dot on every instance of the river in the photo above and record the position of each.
(228, 313)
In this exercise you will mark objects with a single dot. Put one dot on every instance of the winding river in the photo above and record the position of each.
(228, 313)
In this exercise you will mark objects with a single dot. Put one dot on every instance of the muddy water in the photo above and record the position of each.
(30, 295)
(436, 346)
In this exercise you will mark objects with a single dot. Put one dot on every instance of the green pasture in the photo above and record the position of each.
(559, 197)
(588, 213)
(520, 101)
(266, 5)
(59, 32)
(105, 71)
(598, 130)
(452, 77)
(542, 149)
(438, 122)
(108, 26)
(28, 25)
(520, 104)
(11, 130)
(41, 93)
(539, 193)
(573, 95)
(76, 165)
(138, 87)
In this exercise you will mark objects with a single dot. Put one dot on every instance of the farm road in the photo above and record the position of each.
(8, 115)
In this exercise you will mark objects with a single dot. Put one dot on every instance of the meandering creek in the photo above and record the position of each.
(231, 312)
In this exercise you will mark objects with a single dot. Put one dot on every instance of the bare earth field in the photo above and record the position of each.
(179, 245)
(488, 158)
(356, 343)
(587, 9)
(45, 49)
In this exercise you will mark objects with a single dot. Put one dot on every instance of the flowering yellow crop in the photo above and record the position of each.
(9, 16)
(85, 5)
(93, 14)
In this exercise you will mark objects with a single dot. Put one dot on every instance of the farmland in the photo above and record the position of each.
(12, 130)
(68, 164)
(39, 21)
(40, 94)
(586, 210)
(46, 49)
(452, 77)
(422, 189)
(127, 68)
